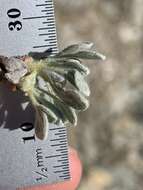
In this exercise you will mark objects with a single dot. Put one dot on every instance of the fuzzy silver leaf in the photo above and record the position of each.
(73, 98)
(70, 64)
(78, 81)
(54, 112)
(63, 112)
(41, 124)
(81, 51)
(73, 49)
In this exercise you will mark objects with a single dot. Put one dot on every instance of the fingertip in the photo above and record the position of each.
(75, 171)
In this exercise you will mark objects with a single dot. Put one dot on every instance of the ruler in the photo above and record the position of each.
(28, 25)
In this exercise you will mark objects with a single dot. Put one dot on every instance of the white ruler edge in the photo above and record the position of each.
(28, 25)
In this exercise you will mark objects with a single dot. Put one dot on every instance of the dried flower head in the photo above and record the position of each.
(55, 84)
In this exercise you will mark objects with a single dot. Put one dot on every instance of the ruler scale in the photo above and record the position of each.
(28, 25)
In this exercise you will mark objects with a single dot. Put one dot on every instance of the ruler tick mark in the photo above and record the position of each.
(62, 142)
(58, 139)
(62, 130)
(63, 135)
(56, 128)
(51, 30)
(59, 144)
(48, 39)
(39, 5)
(60, 166)
(66, 173)
(64, 146)
(36, 17)
(61, 149)
(65, 151)
(57, 155)
(66, 162)
(41, 46)
(44, 34)
(46, 28)
(52, 42)
(63, 157)
(65, 176)
(66, 159)
(61, 171)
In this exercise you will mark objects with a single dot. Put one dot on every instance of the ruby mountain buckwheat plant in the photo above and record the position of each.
(55, 84)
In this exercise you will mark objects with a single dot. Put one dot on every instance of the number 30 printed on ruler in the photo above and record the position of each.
(15, 24)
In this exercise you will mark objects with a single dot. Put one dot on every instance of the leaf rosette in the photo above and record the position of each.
(55, 84)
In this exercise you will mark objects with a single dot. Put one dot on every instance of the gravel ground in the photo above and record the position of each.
(109, 135)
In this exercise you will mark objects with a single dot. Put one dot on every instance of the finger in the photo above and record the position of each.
(75, 171)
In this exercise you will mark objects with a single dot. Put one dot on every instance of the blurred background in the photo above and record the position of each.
(109, 135)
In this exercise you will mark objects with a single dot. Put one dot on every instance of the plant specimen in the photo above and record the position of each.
(54, 83)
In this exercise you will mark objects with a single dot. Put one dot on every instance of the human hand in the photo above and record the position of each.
(75, 170)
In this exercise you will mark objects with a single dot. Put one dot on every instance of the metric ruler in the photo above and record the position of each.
(25, 26)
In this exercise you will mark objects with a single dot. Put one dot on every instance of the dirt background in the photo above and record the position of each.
(109, 135)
